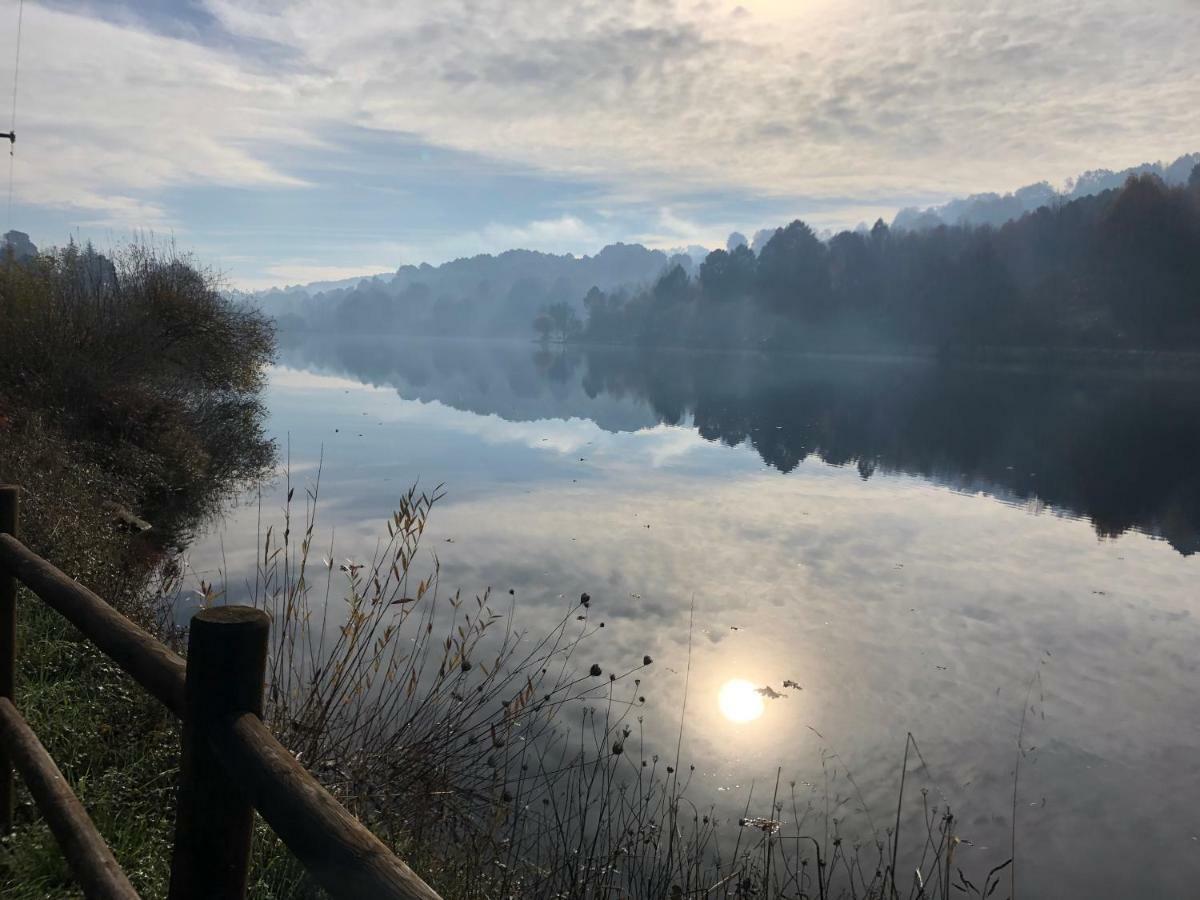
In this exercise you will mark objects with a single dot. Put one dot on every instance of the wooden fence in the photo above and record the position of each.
(231, 764)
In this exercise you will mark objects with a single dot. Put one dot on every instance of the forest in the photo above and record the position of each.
(1119, 269)
(482, 296)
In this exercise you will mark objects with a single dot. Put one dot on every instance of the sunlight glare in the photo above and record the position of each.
(739, 701)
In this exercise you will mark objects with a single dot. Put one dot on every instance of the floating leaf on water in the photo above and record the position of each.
(769, 692)
(767, 826)
(788, 683)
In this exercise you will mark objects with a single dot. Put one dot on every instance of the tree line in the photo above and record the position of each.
(1120, 269)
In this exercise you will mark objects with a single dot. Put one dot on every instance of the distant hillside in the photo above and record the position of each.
(283, 297)
(482, 295)
(1117, 270)
(499, 295)
(996, 209)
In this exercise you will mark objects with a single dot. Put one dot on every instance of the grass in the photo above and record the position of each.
(114, 744)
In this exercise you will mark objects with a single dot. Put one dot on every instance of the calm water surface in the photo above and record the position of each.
(910, 544)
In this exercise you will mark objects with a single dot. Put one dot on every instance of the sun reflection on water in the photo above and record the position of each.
(739, 701)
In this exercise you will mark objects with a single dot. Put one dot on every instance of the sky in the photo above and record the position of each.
(291, 142)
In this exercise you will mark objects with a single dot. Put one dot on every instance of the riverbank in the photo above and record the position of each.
(113, 376)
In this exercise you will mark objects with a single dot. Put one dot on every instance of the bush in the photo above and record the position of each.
(142, 358)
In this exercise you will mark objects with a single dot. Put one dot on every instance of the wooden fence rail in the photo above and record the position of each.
(91, 860)
(230, 765)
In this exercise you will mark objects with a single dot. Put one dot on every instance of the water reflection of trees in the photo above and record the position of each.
(509, 379)
(1120, 449)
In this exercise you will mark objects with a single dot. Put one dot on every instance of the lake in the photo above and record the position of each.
(912, 547)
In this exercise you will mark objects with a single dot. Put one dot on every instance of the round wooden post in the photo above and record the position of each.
(9, 524)
(226, 666)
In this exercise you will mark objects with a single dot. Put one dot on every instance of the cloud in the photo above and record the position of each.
(825, 102)
(566, 234)
(854, 96)
(303, 273)
(110, 115)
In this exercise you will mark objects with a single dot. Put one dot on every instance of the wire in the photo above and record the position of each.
(12, 145)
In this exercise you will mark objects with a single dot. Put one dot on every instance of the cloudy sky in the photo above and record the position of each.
(291, 142)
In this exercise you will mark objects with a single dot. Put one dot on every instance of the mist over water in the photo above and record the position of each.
(906, 544)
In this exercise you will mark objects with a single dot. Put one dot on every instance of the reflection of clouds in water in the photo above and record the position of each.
(660, 444)
(286, 378)
(896, 605)
(869, 596)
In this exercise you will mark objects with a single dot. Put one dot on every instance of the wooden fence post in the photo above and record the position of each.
(10, 521)
(226, 666)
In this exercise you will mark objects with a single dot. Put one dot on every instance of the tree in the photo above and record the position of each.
(714, 274)
(672, 287)
(1146, 268)
(562, 319)
(879, 234)
(793, 272)
(728, 275)
(595, 302)
(849, 264)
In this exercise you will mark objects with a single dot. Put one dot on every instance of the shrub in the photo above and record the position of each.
(143, 358)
